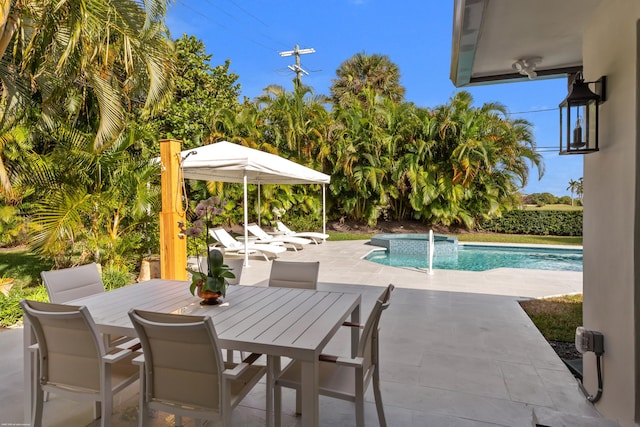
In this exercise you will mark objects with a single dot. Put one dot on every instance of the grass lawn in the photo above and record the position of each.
(333, 236)
(558, 207)
(557, 318)
(23, 266)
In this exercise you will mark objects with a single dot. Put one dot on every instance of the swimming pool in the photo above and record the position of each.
(481, 258)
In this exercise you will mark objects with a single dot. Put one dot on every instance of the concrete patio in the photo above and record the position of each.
(456, 350)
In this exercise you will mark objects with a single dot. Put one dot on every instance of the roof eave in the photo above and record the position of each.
(468, 21)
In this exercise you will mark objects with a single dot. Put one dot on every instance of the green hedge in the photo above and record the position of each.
(536, 222)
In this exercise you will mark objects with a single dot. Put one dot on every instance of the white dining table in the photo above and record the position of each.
(277, 322)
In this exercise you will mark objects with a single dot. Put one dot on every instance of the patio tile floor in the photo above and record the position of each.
(456, 350)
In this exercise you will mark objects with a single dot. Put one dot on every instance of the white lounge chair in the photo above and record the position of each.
(288, 241)
(315, 237)
(344, 377)
(232, 246)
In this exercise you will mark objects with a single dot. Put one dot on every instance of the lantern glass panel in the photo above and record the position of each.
(578, 130)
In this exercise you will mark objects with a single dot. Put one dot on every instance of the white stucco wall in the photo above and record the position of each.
(611, 176)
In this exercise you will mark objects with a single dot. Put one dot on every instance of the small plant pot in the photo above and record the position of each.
(209, 297)
(149, 268)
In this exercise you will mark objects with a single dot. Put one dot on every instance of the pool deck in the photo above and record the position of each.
(456, 350)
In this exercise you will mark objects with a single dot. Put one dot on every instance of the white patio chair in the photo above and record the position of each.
(345, 377)
(294, 243)
(72, 361)
(182, 370)
(232, 246)
(290, 274)
(67, 284)
(317, 238)
(293, 274)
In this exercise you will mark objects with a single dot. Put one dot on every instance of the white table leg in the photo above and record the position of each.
(28, 338)
(273, 369)
(309, 385)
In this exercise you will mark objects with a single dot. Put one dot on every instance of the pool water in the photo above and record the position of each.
(481, 258)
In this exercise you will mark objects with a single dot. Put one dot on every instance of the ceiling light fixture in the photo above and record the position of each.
(527, 66)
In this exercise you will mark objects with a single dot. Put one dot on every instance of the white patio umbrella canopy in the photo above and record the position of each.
(228, 162)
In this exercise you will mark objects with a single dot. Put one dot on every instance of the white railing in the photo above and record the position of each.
(431, 250)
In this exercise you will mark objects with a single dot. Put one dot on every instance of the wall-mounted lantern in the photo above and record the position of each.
(579, 116)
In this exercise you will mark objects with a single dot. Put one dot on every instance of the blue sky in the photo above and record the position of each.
(415, 34)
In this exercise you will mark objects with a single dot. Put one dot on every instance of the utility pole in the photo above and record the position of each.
(297, 68)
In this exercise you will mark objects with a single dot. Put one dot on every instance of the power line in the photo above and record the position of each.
(237, 31)
(535, 111)
(248, 13)
(222, 10)
(266, 36)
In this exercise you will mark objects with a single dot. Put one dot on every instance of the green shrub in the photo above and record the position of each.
(115, 277)
(536, 222)
(303, 223)
(10, 310)
(540, 199)
(14, 228)
(565, 200)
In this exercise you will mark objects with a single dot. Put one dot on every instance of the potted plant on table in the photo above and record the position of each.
(209, 281)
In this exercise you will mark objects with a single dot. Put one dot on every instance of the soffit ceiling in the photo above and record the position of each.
(490, 35)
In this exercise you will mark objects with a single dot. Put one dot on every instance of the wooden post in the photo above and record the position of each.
(173, 249)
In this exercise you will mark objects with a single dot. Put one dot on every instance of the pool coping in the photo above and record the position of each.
(498, 244)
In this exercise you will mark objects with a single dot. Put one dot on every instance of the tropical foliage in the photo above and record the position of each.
(90, 87)
(79, 71)
(200, 91)
(364, 73)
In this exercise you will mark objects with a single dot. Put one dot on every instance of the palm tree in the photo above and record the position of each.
(97, 200)
(296, 120)
(487, 155)
(13, 142)
(361, 71)
(77, 64)
(241, 124)
(360, 157)
(573, 187)
(87, 62)
(580, 190)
